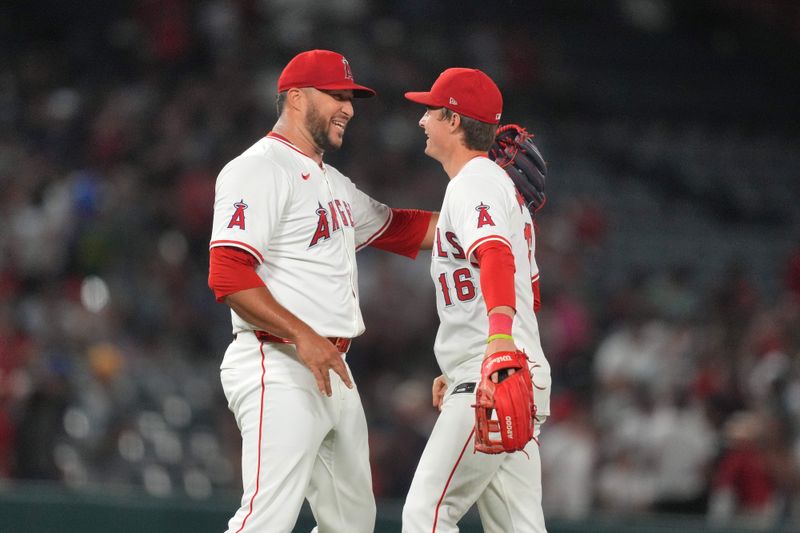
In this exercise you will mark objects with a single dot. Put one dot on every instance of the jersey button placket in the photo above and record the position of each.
(346, 254)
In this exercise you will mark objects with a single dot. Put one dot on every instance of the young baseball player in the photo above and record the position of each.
(282, 256)
(482, 267)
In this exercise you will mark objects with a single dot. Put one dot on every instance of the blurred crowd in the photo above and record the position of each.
(671, 299)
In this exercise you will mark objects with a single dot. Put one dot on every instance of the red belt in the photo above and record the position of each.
(341, 343)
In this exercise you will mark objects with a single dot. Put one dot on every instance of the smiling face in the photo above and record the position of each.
(326, 117)
(436, 130)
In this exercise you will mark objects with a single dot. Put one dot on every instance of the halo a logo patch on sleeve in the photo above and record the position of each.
(238, 216)
(484, 218)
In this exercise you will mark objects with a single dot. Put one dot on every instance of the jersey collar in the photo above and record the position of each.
(280, 138)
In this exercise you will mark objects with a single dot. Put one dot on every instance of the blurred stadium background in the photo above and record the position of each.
(669, 249)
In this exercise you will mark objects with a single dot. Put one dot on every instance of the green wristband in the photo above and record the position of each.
(497, 336)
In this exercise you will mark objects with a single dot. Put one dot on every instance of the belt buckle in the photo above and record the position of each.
(342, 344)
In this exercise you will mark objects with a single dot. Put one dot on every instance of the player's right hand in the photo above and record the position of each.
(438, 391)
(320, 356)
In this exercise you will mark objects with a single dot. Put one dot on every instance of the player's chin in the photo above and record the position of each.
(336, 137)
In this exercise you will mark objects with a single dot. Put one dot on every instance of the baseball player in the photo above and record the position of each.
(482, 267)
(282, 256)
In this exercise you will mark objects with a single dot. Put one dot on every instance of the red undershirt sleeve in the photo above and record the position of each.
(537, 296)
(497, 274)
(405, 232)
(231, 270)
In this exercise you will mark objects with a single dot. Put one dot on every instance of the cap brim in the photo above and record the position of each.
(359, 91)
(424, 98)
(363, 92)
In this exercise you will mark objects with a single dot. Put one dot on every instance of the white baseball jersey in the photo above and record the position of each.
(480, 205)
(303, 223)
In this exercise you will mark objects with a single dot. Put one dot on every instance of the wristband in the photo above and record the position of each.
(497, 336)
(500, 323)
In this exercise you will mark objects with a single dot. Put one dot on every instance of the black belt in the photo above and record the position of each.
(469, 386)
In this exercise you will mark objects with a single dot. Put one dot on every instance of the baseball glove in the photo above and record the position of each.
(511, 398)
(514, 151)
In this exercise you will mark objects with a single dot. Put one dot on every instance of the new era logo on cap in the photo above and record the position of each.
(467, 91)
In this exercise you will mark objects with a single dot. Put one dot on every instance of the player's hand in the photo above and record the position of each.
(438, 391)
(500, 345)
(512, 400)
(320, 356)
(514, 150)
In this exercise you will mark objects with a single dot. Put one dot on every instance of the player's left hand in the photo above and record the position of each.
(438, 391)
(508, 393)
(500, 345)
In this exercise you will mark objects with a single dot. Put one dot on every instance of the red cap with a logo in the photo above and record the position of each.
(321, 69)
(466, 91)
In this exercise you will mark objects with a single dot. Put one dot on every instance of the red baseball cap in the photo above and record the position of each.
(466, 91)
(321, 69)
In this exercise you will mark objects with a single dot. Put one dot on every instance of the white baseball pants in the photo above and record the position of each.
(296, 443)
(451, 477)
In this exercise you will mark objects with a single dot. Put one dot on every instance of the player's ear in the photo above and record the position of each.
(295, 99)
(455, 122)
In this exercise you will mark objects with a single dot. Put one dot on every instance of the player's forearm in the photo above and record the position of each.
(497, 285)
(258, 307)
(409, 231)
(505, 309)
(430, 233)
(497, 275)
(499, 337)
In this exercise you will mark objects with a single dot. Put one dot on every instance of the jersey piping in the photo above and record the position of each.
(238, 244)
(378, 233)
(487, 239)
(280, 138)
(449, 479)
(260, 435)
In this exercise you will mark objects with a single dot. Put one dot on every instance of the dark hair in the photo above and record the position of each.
(477, 135)
(280, 100)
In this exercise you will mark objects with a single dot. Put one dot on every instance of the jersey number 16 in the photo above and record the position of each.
(463, 285)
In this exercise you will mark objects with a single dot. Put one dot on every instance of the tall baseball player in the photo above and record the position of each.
(483, 268)
(282, 256)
